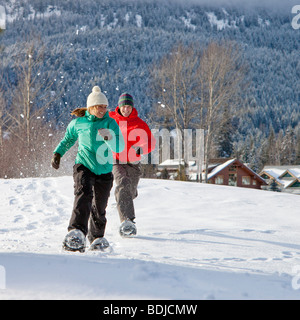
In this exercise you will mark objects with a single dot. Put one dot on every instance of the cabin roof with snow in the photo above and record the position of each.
(285, 176)
(218, 169)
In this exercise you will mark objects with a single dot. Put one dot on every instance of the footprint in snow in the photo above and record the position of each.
(31, 226)
(259, 259)
(46, 196)
(19, 188)
(47, 184)
(27, 208)
(13, 201)
(18, 218)
(287, 254)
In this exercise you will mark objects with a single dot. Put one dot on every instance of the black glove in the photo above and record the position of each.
(56, 160)
(138, 151)
(105, 134)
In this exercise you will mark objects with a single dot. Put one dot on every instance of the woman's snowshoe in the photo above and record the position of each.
(74, 241)
(99, 244)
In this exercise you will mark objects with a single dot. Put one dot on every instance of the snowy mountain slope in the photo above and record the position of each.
(195, 241)
(98, 33)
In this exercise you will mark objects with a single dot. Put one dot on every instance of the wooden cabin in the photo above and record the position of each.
(287, 178)
(234, 172)
(223, 171)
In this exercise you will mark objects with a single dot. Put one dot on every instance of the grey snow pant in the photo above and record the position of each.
(126, 178)
(91, 196)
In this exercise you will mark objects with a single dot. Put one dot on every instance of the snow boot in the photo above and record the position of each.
(99, 244)
(127, 229)
(74, 241)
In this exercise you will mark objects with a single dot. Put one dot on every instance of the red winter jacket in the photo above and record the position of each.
(136, 134)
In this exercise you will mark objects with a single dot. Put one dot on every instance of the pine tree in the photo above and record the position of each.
(274, 186)
(297, 159)
(269, 149)
(289, 147)
(225, 141)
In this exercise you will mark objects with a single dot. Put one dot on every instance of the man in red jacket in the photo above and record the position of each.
(127, 169)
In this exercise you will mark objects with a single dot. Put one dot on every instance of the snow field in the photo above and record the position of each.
(195, 241)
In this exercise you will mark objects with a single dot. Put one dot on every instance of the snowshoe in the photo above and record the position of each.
(99, 244)
(74, 241)
(127, 229)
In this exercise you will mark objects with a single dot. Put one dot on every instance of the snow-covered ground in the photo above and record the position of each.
(195, 241)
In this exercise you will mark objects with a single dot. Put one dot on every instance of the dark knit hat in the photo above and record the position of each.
(125, 99)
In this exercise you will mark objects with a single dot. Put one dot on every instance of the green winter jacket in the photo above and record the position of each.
(94, 152)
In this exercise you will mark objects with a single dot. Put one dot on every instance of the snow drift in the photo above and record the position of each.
(195, 241)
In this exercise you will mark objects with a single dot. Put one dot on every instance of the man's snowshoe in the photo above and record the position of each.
(99, 244)
(127, 229)
(74, 241)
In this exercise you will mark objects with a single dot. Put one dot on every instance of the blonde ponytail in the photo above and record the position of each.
(79, 112)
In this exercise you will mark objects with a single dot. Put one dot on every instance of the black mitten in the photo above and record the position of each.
(56, 160)
(138, 150)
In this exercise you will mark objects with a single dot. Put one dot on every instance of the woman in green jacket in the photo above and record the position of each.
(98, 135)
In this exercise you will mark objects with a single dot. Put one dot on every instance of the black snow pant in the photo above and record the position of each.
(91, 196)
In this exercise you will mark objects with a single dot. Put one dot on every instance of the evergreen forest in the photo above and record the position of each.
(115, 44)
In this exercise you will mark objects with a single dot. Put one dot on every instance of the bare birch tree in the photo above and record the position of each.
(2, 123)
(174, 84)
(24, 121)
(221, 75)
(32, 95)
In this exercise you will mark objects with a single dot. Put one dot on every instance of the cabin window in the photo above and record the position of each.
(219, 180)
(296, 185)
(287, 175)
(232, 180)
(246, 181)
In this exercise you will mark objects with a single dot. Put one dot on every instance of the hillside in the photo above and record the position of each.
(115, 43)
(195, 241)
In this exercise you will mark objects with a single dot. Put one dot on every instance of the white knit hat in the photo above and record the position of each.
(96, 97)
